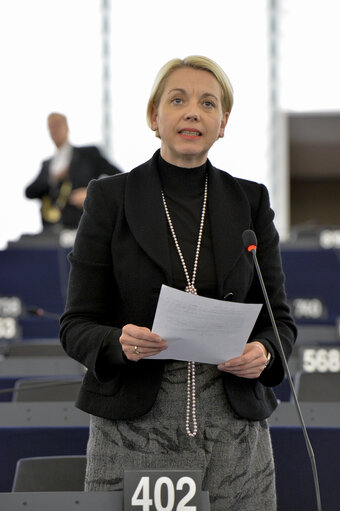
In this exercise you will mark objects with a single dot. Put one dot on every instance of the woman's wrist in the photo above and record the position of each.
(265, 351)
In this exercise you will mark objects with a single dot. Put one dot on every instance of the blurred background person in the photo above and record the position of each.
(63, 178)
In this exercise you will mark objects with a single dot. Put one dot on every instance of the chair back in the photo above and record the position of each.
(50, 473)
(46, 389)
(318, 387)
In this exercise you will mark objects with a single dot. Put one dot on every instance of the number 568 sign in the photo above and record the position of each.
(162, 490)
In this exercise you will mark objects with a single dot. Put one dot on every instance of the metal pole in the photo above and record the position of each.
(106, 78)
(278, 134)
(273, 96)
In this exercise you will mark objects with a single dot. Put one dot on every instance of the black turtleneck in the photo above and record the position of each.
(183, 189)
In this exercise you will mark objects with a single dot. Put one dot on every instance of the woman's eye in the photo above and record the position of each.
(177, 101)
(208, 104)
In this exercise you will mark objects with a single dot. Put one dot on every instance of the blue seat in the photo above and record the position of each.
(47, 389)
(26, 442)
(318, 387)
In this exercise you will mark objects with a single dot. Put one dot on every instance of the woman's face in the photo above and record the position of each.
(189, 117)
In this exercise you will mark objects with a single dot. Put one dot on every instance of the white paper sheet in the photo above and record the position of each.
(202, 329)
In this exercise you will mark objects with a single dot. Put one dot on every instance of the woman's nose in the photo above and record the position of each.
(190, 116)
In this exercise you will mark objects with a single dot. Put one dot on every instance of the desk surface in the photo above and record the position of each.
(314, 414)
(56, 501)
(61, 414)
(80, 501)
(32, 348)
(42, 414)
(39, 366)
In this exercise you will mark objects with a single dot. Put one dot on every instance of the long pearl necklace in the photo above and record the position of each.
(190, 288)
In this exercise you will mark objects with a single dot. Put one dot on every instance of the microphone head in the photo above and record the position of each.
(249, 240)
(35, 311)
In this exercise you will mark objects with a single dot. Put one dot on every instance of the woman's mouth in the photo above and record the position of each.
(190, 133)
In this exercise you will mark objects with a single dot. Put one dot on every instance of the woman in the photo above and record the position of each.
(177, 220)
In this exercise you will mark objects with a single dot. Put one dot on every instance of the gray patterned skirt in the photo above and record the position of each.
(235, 455)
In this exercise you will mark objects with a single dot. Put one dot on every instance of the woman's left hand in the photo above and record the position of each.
(250, 364)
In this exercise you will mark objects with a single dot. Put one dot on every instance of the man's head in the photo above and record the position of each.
(58, 128)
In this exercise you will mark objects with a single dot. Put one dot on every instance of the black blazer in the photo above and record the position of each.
(87, 163)
(119, 262)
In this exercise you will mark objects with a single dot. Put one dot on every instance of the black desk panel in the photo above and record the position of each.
(38, 275)
(27, 441)
(293, 471)
(313, 273)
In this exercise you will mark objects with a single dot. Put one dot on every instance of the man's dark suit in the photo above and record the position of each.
(119, 262)
(87, 163)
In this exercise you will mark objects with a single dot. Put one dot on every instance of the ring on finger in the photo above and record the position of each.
(135, 349)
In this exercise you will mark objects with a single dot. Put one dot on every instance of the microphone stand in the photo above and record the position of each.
(252, 250)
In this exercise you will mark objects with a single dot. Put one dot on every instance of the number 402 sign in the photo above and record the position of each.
(162, 490)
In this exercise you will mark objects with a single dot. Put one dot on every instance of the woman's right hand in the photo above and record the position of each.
(139, 342)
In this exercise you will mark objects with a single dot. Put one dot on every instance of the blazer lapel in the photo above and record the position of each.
(228, 208)
(230, 215)
(145, 213)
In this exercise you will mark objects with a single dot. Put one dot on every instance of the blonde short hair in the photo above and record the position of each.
(195, 62)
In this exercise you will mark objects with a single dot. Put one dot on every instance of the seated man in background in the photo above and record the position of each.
(62, 181)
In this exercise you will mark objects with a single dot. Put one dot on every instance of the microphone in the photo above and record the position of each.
(250, 243)
(38, 311)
